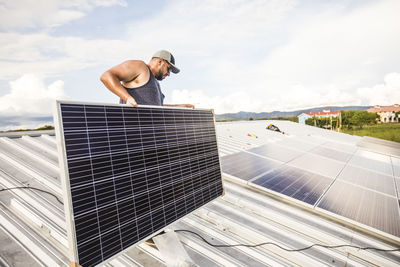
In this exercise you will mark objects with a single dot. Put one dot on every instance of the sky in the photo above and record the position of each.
(237, 55)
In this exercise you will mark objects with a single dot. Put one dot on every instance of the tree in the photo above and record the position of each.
(321, 122)
(358, 118)
(361, 118)
(346, 118)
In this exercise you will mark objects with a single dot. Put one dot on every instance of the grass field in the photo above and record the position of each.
(387, 131)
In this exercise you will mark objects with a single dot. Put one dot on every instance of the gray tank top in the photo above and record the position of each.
(147, 94)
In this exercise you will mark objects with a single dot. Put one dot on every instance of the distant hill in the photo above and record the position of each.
(242, 115)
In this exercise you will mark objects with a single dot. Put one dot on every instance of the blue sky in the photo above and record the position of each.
(238, 55)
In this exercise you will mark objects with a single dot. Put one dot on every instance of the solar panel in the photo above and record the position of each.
(372, 161)
(296, 183)
(331, 153)
(130, 172)
(323, 170)
(246, 166)
(277, 152)
(317, 164)
(369, 179)
(362, 205)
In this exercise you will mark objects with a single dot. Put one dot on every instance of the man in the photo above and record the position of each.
(136, 82)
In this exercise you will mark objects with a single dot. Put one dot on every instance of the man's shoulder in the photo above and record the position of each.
(136, 73)
(135, 66)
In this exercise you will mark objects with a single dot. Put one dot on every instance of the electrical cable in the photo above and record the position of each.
(289, 250)
(33, 188)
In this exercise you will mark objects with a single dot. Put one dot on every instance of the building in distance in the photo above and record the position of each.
(325, 113)
(387, 113)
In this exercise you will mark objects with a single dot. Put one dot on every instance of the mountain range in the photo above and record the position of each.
(243, 115)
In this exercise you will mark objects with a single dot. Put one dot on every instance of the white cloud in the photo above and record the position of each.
(44, 54)
(209, 29)
(344, 49)
(237, 101)
(325, 58)
(295, 97)
(387, 93)
(261, 55)
(19, 14)
(29, 96)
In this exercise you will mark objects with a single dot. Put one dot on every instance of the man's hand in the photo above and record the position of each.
(180, 105)
(131, 101)
(187, 105)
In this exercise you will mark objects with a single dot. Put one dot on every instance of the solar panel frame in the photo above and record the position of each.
(96, 124)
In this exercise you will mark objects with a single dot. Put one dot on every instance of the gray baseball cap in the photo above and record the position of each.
(167, 56)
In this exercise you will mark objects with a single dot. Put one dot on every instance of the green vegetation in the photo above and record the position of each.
(45, 127)
(358, 118)
(349, 120)
(387, 131)
(323, 122)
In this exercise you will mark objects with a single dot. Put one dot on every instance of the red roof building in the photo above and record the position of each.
(324, 113)
(386, 113)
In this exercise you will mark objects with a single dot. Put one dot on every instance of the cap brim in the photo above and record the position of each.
(174, 69)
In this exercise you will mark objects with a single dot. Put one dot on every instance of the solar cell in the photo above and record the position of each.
(246, 166)
(370, 179)
(340, 146)
(293, 182)
(331, 153)
(277, 152)
(317, 164)
(368, 207)
(297, 143)
(396, 166)
(372, 161)
(129, 172)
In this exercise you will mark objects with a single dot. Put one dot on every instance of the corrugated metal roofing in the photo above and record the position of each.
(33, 225)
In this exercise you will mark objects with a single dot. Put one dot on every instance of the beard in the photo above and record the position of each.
(159, 75)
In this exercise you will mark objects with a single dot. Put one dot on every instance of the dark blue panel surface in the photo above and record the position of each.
(133, 171)
(293, 182)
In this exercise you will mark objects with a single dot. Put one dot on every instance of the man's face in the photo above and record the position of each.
(163, 71)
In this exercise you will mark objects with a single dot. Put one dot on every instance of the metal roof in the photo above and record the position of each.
(33, 230)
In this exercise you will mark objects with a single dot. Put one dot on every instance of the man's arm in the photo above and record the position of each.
(127, 71)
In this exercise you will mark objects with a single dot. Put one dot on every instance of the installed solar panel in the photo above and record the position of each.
(324, 169)
(246, 166)
(317, 164)
(331, 153)
(129, 172)
(372, 161)
(396, 166)
(277, 152)
(362, 205)
(299, 184)
(369, 179)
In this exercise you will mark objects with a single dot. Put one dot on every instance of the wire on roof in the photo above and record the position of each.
(33, 188)
(286, 249)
